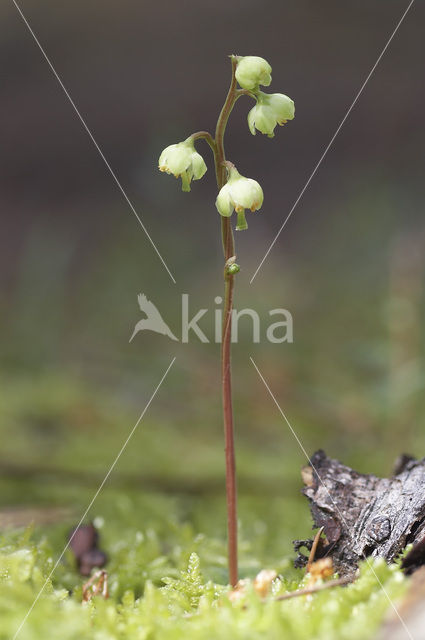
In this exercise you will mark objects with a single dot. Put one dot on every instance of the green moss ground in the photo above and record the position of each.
(167, 576)
(167, 580)
(161, 518)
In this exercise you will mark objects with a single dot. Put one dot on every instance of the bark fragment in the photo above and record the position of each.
(361, 514)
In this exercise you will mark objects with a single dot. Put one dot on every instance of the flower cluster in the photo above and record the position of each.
(239, 193)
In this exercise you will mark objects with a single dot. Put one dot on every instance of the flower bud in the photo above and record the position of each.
(270, 110)
(233, 268)
(239, 193)
(252, 71)
(183, 161)
(230, 268)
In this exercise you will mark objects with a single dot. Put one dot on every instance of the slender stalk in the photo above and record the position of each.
(314, 548)
(314, 589)
(217, 146)
(226, 381)
(206, 136)
(226, 377)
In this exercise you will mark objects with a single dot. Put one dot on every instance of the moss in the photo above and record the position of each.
(160, 587)
(166, 546)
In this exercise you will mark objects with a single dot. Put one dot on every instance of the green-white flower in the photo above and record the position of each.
(183, 161)
(251, 71)
(239, 193)
(270, 110)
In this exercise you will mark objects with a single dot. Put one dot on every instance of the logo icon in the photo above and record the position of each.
(276, 332)
(153, 321)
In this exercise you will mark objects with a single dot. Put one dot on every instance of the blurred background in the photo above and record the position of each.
(349, 265)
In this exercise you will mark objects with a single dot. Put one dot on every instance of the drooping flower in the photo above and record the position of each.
(239, 193)
(251, 71)
(182, 160)
(270, 110)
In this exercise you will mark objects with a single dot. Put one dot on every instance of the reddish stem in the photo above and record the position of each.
(226, 374)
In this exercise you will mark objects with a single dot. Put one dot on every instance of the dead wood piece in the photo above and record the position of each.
(415, 558)
(363, 515)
